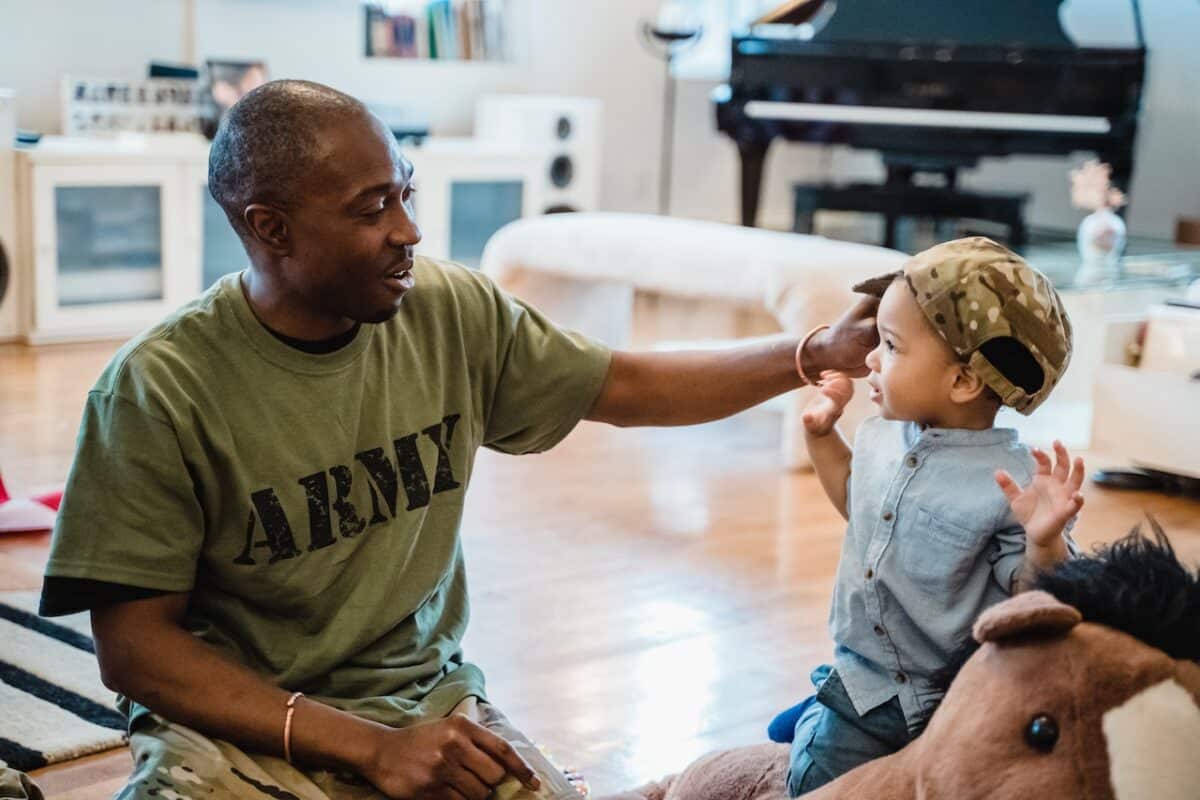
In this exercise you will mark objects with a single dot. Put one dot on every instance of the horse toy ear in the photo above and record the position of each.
(1028, 613)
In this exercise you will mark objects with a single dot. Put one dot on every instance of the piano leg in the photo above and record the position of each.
(891, 223)
(898, 175)
(1018, 234)
(753, 153)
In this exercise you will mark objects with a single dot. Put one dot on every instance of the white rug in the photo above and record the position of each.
(53, 706)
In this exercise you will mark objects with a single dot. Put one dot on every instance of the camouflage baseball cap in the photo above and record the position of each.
(997, 312)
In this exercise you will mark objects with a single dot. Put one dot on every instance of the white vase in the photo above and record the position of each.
(1101, 242)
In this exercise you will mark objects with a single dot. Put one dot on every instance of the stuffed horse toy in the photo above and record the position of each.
(1087, 688)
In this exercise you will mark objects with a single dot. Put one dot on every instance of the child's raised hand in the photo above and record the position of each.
(1051, 499)
(823, 411)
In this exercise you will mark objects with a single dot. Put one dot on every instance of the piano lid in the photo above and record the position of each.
(1015, 23)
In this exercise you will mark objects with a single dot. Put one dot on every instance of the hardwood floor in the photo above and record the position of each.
(639, 596)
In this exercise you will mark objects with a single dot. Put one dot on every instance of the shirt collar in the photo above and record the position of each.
(958, 437)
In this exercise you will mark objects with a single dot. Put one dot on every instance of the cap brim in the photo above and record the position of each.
(877, 286)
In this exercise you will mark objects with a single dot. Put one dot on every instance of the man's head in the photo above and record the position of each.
(320, 195)
(965, 327)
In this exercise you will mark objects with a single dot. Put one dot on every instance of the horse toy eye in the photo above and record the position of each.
(1042, 733)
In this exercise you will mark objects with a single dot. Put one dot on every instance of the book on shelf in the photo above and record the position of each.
(396, 33)
(466, 30)
(493, 30)
(462, 25)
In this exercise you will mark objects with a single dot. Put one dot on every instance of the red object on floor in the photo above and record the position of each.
(28, 514)
(49, 499)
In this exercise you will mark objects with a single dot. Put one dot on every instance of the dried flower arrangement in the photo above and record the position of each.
(1092, 189)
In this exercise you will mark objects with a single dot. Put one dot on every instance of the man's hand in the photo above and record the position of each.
(452, 758)
(824, 410)
(1052, 498)
(844, 346)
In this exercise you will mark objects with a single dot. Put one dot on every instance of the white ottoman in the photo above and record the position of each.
(684, 279)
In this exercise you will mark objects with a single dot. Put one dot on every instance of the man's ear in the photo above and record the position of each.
(268, 225)
(968, 385)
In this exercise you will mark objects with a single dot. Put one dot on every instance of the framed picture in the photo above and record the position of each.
(98, 106)
(225, 83)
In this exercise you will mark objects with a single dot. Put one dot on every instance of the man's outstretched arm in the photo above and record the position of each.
(684, 388)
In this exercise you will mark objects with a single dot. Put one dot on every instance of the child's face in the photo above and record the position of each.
(913, 369)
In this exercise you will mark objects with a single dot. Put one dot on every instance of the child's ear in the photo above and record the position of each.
(968, 385)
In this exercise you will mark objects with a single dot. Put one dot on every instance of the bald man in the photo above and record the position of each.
(263, 513)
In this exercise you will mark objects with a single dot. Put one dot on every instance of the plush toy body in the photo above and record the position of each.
(1051, 705)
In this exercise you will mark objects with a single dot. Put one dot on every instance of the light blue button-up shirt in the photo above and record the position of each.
(930, 544)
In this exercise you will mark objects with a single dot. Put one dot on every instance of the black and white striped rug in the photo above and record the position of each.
(53, 706)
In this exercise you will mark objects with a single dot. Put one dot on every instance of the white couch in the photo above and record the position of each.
(632, 279)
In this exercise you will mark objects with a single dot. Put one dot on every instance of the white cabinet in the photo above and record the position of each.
(1146, 414)
(117, 234)
(211, 240)
(10, 286)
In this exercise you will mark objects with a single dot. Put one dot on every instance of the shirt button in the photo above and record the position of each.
(901, 677)
(887, 516)
(879, 630)
(912, 461)
(870, 574)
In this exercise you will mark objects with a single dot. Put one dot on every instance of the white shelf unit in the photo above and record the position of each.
(11, 308)
(115, 233)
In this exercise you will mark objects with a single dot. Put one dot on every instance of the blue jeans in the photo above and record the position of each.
(832, 739)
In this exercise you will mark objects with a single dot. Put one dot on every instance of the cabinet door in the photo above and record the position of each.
(216, 247)
(108, 240)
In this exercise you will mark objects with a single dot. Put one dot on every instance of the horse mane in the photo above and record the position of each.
(1136, 585)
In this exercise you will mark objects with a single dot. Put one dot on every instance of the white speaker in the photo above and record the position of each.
(569, 127)
(10, 321)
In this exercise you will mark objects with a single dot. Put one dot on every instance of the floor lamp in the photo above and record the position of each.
(667, 41)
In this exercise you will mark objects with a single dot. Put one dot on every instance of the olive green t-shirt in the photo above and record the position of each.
(311, 504)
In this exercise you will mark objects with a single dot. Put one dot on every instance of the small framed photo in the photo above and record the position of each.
(226, 83)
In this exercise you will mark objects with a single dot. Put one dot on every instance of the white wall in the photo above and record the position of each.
(579, 47)
(321, 40)
(589, 47)
(44, 40)
(592, 48)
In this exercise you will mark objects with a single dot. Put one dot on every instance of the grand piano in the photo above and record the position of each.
(934, 85)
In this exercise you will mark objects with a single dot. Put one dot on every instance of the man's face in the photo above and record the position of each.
(352, 230)
(913, 369)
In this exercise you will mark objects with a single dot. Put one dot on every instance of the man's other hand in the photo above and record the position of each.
(452, 758)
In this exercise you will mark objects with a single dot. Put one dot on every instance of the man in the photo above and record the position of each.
(268, 486)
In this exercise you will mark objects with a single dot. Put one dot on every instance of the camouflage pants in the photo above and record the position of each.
(172, 762)
(17, 785)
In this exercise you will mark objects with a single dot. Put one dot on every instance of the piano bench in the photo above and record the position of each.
(638, 279)
(895, 201)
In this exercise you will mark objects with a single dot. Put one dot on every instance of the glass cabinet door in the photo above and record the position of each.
(109, 244)
(221, 251)
(109, 238)
(477, 210)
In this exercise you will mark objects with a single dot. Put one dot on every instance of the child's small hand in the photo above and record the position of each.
(824, 410)
(1051, 499)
